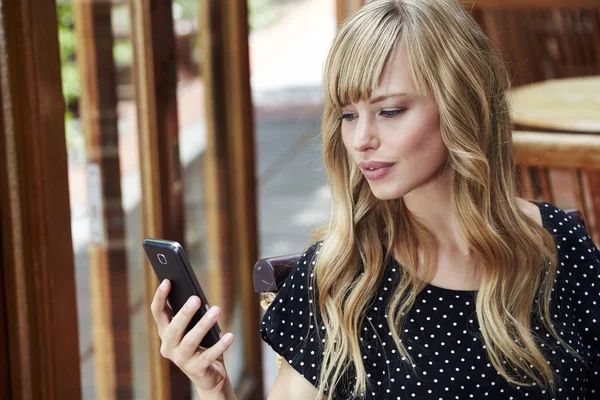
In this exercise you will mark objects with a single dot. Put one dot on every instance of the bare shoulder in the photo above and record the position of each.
(530, 209)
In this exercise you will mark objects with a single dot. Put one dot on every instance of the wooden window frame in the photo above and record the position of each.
(37, 258)
(230, 171)
(107, 250)
(229, 168)
(38, 274)
(162, 204)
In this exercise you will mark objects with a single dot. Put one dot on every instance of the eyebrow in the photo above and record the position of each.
(386, 96)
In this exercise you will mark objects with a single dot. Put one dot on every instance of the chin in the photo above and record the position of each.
(387, 192)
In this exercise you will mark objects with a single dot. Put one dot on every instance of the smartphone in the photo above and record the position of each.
(169, 261)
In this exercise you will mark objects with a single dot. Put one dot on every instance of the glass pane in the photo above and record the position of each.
(102, 140)
(289, 43)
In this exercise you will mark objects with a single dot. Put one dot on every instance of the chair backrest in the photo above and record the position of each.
(270, 273)
(543, 39)
(562, 169)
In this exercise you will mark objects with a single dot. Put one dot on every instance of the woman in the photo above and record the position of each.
(432, 279)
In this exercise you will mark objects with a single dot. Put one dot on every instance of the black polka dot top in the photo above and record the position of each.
(442, 334)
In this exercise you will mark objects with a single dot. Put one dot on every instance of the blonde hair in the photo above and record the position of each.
(451, 58)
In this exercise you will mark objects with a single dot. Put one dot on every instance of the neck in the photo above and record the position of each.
(431, 205)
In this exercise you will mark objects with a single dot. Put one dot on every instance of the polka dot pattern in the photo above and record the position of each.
(442, 334)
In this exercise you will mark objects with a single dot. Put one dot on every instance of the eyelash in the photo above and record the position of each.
(385, 113)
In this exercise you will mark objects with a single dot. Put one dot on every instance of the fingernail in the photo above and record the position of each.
(212, 313)
(163, 285)
(228, 338)
(192, 303)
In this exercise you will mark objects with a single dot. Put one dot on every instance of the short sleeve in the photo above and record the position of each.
(292, 326)
(579, 259)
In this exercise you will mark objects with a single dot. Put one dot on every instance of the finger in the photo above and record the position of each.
(176, 329)
(204, 359)
(159, 307)
(190, 342)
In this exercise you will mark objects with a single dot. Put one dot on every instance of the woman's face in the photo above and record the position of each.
(394, 136)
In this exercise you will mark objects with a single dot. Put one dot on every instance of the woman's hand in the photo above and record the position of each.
(205, 368)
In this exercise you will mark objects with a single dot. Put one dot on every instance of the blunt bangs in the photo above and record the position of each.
(359, 54)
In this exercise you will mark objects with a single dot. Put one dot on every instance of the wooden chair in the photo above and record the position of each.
(562, 169)
(543, 39)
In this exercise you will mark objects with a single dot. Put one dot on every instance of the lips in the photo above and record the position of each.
(374, 170)
(373, 165)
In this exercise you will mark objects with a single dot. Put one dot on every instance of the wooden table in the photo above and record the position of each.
(568, 105)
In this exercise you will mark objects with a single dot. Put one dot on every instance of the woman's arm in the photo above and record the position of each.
(289, 385)
(225, 393)
(289, 326)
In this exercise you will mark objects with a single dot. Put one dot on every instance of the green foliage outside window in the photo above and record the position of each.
(69, 72)
(260, 16)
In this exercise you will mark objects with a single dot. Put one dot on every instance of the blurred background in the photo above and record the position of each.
(198, 121)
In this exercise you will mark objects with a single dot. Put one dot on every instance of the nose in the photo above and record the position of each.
(365, 135)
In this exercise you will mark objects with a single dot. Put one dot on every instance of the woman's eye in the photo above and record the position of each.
(392, 113)
(348, 116)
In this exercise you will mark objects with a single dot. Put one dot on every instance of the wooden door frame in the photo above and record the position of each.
(162, 203)
(230, 173)
(37, 255)
(5, 386)
(229, 170)
(107, 251)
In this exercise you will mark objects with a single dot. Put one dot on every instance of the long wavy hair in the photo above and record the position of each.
(451, 58)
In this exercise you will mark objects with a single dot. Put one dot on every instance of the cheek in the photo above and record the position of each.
(424, 141)
(347, 138)
(430, 147)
